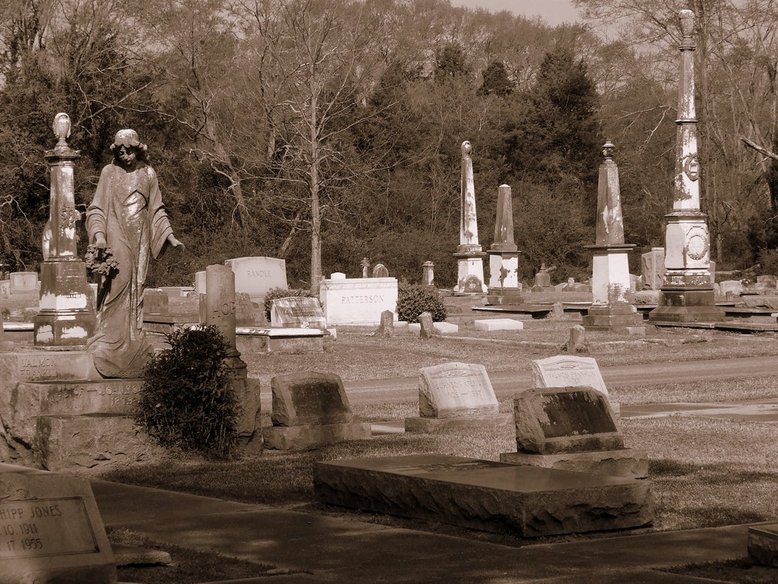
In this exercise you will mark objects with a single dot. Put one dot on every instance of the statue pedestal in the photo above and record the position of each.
(66, 318)
(610, 268)
(470, 275)
(59, 414)
(687, 293)
(504, 287)
(620, 317)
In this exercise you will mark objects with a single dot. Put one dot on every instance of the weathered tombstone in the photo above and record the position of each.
(565, 371)
(200, 282)
(220, 312)
(23, 282)
(256, 275)
(455, 396)
(543, 276)
(571, 428)
(568, 419)
(248, 313)
(297, 312)
(576, 343)
(155, 301)
(310, 409)
(365, 264)
(557, 311)
(380, 271)
(51, 530)
(428, 273)
(652, 268)
(386, 328)
(427, 329)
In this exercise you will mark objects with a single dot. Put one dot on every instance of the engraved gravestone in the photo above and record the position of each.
(309, 398)
(455, 390)
(256, 275)
(567, 419)
(51, 529)
(310, 409)
(564, 370)
(297, 312)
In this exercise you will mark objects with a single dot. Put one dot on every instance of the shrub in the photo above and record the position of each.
(413, 299)
(275, 293)
(187, 400)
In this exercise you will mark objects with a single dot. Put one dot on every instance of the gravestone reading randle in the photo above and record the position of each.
(51, 530)
(310, 409)
(455, 396)
(297, 312)
(571, 428)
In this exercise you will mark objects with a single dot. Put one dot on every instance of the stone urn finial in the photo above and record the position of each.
(61, 127)
(687, 25)
(607, 149)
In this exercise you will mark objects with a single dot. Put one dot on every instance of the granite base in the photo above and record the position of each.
(306, 437)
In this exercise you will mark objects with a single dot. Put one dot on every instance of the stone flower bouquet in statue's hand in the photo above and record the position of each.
(103, 266)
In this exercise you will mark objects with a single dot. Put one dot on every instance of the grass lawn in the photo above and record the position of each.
(704, 471)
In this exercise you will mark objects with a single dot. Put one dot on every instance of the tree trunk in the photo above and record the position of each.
(316, 275)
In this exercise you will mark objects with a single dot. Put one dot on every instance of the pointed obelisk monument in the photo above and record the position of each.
(66, 316)
(686, 294)
(470, 255)
(610, 309)
(504, 287)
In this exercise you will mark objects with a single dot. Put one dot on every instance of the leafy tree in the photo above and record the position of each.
(496, 80)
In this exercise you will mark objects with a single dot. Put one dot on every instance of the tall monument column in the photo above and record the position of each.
(504, 287)
(610, 257)
(66, 318)
(470, 256)
(686, 294)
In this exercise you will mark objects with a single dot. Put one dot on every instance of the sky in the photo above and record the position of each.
(552, 11)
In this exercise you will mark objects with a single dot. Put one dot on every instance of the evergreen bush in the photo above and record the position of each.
(413, 299)
(275, 293)
(187, 399)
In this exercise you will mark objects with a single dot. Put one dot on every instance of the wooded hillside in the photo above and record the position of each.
(325, 131)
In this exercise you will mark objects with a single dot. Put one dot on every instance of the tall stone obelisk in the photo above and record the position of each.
(504, 287)
(610, 309)
(469, 254)
(686, 294)
(66, 316)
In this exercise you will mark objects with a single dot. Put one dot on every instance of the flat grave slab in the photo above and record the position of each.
(498, 324)
(763, 544)
(485, 495)
(297, 312)
(441, 328)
